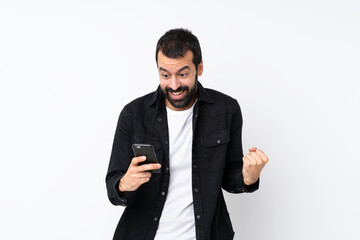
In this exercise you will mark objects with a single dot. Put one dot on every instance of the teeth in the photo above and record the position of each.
(176, 94)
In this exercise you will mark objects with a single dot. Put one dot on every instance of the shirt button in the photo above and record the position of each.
(167, 169)
(155, 219)
(218, 141)
(196, 115)
(159, 119)
(195, 166)
(163, 193)
(196, 190)
(198, 217)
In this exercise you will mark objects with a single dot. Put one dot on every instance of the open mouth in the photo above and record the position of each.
(177, 95)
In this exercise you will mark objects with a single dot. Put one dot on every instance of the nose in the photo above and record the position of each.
(174, 83)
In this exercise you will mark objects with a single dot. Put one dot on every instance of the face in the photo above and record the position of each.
(178, 80)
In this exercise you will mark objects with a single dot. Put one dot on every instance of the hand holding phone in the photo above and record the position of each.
(139, 173)
(146, 150)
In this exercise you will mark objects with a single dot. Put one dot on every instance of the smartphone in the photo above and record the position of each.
(147, 150)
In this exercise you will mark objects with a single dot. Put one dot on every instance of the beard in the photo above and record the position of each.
(185, 101)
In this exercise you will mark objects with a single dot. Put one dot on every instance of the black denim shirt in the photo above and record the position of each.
(216, 163)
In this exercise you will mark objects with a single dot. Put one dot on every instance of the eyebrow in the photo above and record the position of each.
(181, 69)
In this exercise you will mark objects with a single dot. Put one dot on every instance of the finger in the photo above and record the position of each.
(257, 158)
(246, 162)
(141, 181)
(262, 154)
(136, 160)
(149, 166)
(253, 149)
(249, 159)
(250, 155)
(144, 180)
(143, 175)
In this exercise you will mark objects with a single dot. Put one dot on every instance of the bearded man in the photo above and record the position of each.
(196, 135)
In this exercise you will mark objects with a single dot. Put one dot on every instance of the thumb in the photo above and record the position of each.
(253, 149)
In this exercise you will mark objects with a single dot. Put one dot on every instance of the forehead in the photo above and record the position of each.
(173, 64)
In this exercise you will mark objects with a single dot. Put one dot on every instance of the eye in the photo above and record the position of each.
(165, 75)
(183, 74)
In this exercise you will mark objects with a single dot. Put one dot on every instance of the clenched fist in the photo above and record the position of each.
(136, 175)
(253, 163)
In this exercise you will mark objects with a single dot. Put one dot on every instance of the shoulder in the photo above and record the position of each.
(217, 95)
(138, 105)
(222, 101)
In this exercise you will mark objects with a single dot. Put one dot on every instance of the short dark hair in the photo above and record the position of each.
(176, 42)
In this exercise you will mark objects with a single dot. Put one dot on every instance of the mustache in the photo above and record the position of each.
(182, 88)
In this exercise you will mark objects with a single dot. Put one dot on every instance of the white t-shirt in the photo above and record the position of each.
(177, 219)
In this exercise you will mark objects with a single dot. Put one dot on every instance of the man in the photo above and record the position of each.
(196, 133)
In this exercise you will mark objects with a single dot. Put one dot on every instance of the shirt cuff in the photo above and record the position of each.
(252, 187)
(122, 197)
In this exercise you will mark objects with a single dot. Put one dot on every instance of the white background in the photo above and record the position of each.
(68, 67)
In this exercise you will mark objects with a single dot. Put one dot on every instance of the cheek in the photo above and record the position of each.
(163, 84)
(190, 82)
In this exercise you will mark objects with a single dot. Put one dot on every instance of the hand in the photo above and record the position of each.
(137, 175)
(253, 163)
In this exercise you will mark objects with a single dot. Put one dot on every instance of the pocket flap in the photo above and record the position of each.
(147, 140)
(215, 139)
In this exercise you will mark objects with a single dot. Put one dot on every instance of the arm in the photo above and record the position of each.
(124, 175)
(120, 158)
(233, 179)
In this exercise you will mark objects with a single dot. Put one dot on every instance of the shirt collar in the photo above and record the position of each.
(158, 96)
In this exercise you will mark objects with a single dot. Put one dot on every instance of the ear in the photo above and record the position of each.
(200, 68)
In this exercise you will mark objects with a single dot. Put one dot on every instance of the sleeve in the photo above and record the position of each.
(233, 180)
(120, 159)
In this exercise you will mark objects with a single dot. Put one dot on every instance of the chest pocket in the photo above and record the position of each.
(156, 142)
(214, 147)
